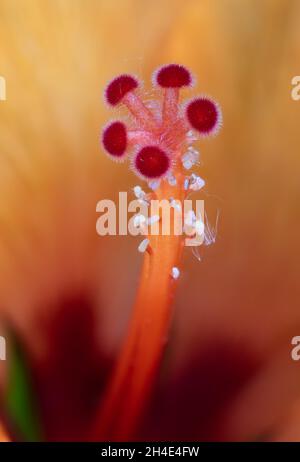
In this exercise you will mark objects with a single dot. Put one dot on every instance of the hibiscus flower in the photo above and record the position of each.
(66, 294)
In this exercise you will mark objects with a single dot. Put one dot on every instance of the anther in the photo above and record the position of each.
(175, 272)
(154, 185)
(139, 221)
(196, 182)
(190, 158)
(153, 219)
(139, 193)
(143, 245)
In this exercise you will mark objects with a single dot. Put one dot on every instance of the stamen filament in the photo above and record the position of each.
(140, 111)
(139, 360)
(170, 104)
(139, 137)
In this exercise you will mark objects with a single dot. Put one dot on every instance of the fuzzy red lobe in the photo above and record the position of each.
(152, 162)
(202, 114)
(118, 88)
(115, 139)
(173, 76)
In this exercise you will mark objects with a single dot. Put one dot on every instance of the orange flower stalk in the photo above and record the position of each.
(160, 141)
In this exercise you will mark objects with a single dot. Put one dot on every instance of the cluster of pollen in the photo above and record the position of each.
(159, 135)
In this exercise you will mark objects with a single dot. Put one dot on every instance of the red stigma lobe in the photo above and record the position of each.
(119, 87)
(203, 115)
(115, 139)
(173, 76)
(151, 162)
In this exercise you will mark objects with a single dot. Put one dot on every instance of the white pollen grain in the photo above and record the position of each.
(143, 245)
(175, 273)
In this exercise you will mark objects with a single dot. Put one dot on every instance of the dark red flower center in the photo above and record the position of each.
(203, 115)
(173, 76)
(115, 139)
(118, 88)
(152, 162)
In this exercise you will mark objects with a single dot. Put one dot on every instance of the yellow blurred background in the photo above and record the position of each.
(236, 309)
